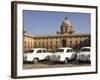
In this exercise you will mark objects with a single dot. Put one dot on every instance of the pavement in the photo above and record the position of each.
(48, 64)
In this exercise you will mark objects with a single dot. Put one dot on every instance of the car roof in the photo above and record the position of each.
(65, 48)
(86, 47)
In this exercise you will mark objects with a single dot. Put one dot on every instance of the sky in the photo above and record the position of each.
(46, 23)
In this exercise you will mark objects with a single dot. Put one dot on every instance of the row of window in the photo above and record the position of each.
(71, 42)
(30, 41)
(57, 39)
(51, 44)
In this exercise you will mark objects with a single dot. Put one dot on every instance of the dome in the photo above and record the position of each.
(67, 22)
(66, 27)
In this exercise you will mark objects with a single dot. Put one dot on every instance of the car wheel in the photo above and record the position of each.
(66, 60)
(35, 60)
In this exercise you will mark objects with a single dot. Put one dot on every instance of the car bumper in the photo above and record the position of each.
(26, 59)
(83, 58)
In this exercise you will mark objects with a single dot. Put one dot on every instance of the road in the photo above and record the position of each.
(47, 64)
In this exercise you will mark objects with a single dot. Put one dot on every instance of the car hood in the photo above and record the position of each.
(57, 53)
(26, 54)
(84, 53)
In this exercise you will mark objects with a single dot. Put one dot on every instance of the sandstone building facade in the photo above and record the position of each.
(66, 37)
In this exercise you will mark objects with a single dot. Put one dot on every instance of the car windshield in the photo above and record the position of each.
(85, 50)
(29, 51)
(59, 50)
(45, 51)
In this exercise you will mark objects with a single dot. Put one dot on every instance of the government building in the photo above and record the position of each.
(65, 37)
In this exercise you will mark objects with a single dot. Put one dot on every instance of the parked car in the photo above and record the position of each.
(36, 54)
(84, 54)
(63, 55)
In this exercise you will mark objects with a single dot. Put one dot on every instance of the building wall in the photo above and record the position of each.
(52, 43)
(28, 42)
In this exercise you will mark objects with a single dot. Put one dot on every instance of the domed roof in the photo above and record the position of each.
(66, 27)
(67, 22)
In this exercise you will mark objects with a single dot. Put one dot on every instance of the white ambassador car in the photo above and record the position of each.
(63, 55)
(36, 54)
(84, 54)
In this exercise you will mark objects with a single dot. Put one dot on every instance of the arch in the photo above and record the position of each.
(63, 43)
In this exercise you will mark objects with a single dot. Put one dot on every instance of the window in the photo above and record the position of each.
(85, 49)
(60, 50)
(35, 43)
(76, 42)
(44, 51)
(39, 51)
(51, 45)
(39, 43)
(25, 42)
(69, 50)
(56, 44)
(70, 42)
(43, 44)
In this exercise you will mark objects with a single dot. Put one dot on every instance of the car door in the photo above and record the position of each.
(69, 53)
(45, 54)
(40, 54)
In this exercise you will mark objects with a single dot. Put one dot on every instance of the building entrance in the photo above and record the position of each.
(63, 43)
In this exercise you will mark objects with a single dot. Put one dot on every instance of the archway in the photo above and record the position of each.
(63, 43)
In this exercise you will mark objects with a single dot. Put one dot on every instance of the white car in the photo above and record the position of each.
(63, 55)
(36, 54)
(84, 54)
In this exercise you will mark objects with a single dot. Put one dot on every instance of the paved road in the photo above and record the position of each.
(46, 64)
